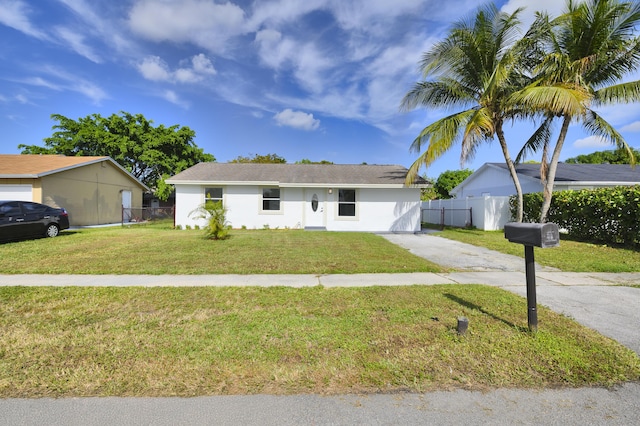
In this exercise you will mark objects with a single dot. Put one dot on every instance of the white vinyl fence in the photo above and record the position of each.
(486, 213)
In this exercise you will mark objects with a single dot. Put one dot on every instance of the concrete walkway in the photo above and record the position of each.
(594, 299)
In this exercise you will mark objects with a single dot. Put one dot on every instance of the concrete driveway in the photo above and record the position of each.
(598, 301)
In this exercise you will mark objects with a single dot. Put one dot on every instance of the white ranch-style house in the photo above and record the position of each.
(333, 197)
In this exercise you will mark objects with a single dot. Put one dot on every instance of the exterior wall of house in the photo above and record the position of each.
(495, 182)
(91, 194)
(377, 210)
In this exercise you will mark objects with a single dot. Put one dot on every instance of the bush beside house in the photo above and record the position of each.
(604, 215)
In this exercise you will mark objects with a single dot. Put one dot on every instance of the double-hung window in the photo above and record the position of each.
(213, 195)
(347, 202)
(271, 199)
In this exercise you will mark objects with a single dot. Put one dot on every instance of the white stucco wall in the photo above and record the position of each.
(377, 209)
(495, 182)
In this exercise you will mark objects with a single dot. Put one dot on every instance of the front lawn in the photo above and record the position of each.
(571, 256)
(84, 341)
(159, 249)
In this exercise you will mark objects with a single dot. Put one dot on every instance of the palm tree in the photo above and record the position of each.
(591, 48)
(476, 68)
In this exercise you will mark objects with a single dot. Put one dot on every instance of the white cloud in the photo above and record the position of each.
(201, 22)
(591, 142)
(296, 119)
(14, 14)
(60, 80)
(527, 16)
(171, 96)
(194, 70)
(273, 50)
(22, 99)
(633, 127)
(77, 43)
(154, 68)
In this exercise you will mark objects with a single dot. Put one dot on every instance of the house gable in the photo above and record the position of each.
(494, 178)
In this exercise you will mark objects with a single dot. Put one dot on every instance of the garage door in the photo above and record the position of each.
(16, 192)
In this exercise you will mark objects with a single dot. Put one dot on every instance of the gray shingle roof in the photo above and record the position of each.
(583, 172)
(335, 174)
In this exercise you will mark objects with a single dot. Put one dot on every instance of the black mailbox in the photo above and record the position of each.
(533, 234)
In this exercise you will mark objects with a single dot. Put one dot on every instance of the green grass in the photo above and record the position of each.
(158, 249)
(66, 342)
(571, 256)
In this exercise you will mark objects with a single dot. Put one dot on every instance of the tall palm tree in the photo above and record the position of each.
(591, 48)
(476, 68)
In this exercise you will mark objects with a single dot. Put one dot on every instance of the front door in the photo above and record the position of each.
(126, 206)
(314, 214)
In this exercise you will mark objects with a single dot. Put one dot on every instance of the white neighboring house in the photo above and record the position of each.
(334, 197)
(493, 179)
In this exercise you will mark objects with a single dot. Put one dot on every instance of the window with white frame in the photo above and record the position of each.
(271, 199)
(347, 202)
(212, 195)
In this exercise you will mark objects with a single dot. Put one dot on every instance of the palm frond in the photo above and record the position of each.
(439, 137)
(598, 126)
(445, 92)
(619, 93)
(480, 127)
(538, 139)
(560, 99)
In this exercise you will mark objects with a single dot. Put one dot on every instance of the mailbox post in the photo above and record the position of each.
(532, 235)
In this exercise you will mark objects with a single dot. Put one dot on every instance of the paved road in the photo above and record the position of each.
(595, 300)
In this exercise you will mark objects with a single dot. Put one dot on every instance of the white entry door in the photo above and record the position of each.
(314, 211)
(126, 206)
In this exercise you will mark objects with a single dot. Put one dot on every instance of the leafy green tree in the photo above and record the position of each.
(617, 156)
(476, 68)
(590, 49)
(307, 161)
(149, 153)
(428, 193)
(448, 180)
(263, 159)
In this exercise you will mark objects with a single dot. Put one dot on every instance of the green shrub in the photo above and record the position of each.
(605, 215)
(216, 215)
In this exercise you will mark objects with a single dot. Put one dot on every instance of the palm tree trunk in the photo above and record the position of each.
(512, 171)
(550, 178)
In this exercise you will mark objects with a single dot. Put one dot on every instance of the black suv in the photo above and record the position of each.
(24, 219)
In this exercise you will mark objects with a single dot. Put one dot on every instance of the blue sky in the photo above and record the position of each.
(314, 79)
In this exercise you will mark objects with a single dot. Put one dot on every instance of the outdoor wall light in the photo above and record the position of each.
(330, 190)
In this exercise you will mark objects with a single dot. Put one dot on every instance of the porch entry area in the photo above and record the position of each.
(315, 218)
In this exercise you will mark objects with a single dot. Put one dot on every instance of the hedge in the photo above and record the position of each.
(604, 215)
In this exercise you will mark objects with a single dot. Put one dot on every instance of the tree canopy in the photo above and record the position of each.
(149, 153)
(617, 156)
(448, 180)
(262, 159)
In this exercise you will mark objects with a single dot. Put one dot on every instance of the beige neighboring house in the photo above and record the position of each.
(93, 190)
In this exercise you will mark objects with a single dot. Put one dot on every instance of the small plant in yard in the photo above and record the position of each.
(216, 215)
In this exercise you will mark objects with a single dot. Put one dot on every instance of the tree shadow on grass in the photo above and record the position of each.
(471, 305)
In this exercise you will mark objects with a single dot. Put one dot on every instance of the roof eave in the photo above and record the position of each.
(291, 185)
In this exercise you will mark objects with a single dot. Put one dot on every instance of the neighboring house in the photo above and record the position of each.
(493, 179)
(334, 197)
(93, 190)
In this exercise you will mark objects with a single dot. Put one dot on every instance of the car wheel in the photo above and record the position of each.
(52, 230)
